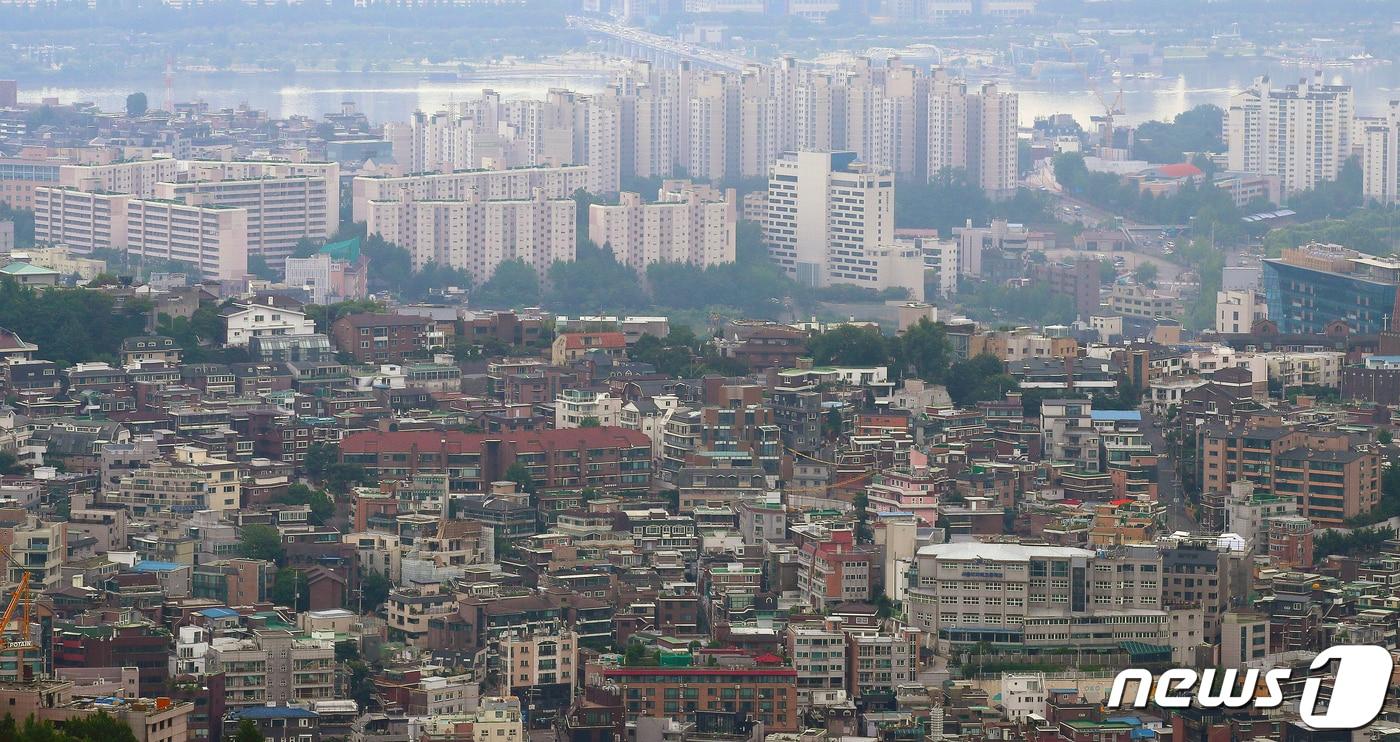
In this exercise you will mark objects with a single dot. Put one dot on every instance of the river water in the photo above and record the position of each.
(388, 96)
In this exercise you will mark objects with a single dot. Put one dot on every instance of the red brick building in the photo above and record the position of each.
(769, 694)
(381, 338)
(609, 458)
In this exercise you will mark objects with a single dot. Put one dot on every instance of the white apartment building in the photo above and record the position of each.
(573, 407)
(818, 655)
(1380, 157)
(940, 261)
(1300, 133)
(39, 548)
(687, 224)
(136, 178)
(212, 239)
(281, 209)
(1316, 368)
(1237, 311)
(475, 234)
(249, 320)
(831, 221)
(1037, 597)
(1067, 429)
(487, 185)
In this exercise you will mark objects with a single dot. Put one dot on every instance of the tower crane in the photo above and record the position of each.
(1110, 109)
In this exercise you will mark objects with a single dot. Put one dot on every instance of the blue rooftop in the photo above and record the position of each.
(273, 712)
(1115, 415)
(217, 613)
(148, 565)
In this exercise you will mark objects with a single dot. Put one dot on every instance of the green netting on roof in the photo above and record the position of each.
(346, 250)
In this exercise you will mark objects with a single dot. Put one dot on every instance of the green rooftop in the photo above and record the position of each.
(21, 268)
(345, 250)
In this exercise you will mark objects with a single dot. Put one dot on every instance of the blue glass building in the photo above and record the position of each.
(1304, 299)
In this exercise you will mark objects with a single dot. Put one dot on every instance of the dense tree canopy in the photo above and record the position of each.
(71, 325)
(1196, 130)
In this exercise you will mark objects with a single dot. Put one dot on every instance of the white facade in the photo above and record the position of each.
(487, 185)
(1236, 311)
(257, 320)
(1380, 157)
(575, 406)
(1317, 368)
(831, 221)
(1300, 133)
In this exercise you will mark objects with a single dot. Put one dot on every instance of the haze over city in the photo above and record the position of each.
(697, 370)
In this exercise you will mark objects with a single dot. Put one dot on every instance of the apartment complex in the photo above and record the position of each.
(831, 221)
(282, 208)
(518, 184)
(605, 458)
(191, 479)
(1300, 133)
(477, 235)
(211, 238)
(768, 694)
(687, 224)
(1322, 470)
(655, 121)
(1037, 597)
(273, 666)
(1380, 156)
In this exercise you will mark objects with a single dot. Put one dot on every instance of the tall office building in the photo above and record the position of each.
(1300, 133)
(1308, 288)
(831, 221)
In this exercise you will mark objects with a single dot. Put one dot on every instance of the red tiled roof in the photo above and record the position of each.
(457, 441)
(1178, 170)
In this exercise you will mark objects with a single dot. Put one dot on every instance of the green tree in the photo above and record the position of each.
(98, 727)
(321, 504)
(520, 474)
(319, 459)
(258, 541)
(1146, 272)
(374, 589)
(589, 422)
(248, 732)
(850, 345)
(136, 104)
(925, 349)
(978, 379)
(258, 266)
(289, 588)
(513, 284)
(9, 464)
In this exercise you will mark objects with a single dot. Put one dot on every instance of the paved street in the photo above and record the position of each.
(1168, 483)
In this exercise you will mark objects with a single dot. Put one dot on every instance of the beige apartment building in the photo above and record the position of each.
(189, 480)
(273, 666)
(687, 224)
(477, 235)
(487, 185)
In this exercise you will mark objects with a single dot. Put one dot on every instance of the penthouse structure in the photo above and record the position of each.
(1034, 598)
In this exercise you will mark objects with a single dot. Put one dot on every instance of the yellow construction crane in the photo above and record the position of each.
(20, 599)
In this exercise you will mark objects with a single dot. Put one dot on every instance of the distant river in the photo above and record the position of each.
(389, 96)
